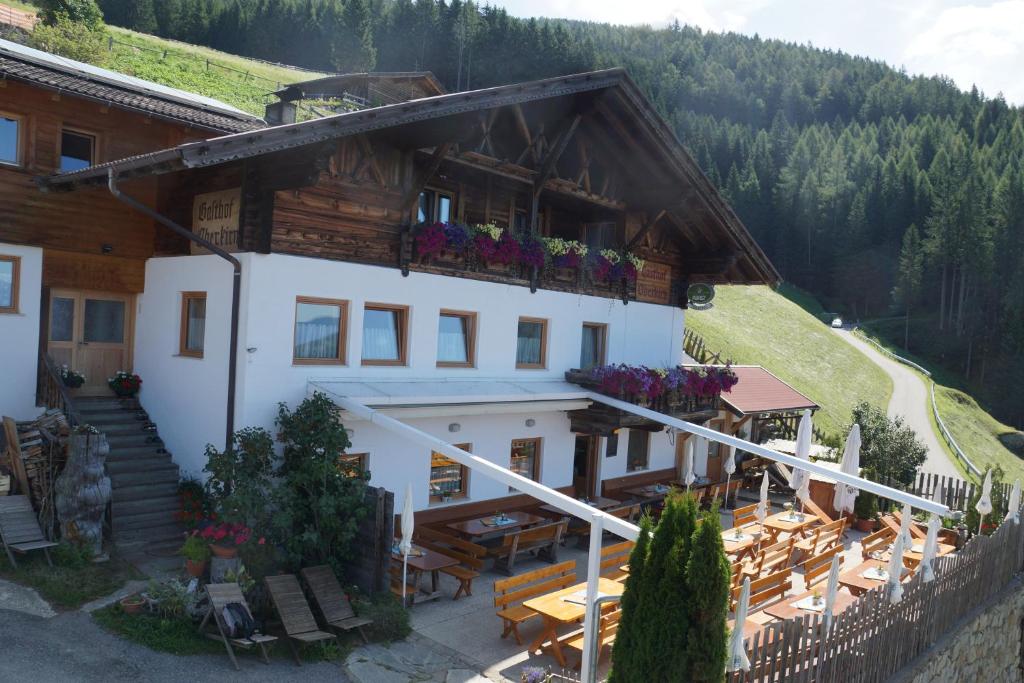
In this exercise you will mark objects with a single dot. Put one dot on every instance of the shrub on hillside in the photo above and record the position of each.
(889, 448)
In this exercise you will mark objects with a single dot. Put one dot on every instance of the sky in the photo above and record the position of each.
(972, 42)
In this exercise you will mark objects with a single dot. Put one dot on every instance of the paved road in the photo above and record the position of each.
(911, 401)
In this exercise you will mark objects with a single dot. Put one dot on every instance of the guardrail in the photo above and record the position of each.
(943, 430)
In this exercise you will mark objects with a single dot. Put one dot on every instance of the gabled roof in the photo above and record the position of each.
(759, 391)
(336, 85)
(21, 63)
(641, 133)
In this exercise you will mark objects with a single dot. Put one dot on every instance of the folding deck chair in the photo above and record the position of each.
(334, 607)
(19, 528)
(296, 619)
(220, 595)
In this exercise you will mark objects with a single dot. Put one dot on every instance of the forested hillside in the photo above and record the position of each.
(878, 191)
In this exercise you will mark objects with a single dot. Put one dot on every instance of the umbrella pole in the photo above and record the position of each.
(728, 480)
(405, 575)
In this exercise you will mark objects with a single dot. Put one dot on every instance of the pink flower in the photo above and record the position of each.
(262, 540)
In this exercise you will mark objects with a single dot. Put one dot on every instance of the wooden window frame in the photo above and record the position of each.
(403, 334)
(437, 191)
(183, 349)
(464, 473)
(342, 304)
(15, 262)
(471, 328)
(539, 450)
(543, 344)
(84, 133)
(602, 355)
(19, 143)
(647, 451)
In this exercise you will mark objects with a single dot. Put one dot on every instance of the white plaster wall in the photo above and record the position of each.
(19, 337)
(185, 396)
(661, 455)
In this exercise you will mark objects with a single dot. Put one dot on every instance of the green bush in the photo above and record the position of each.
(71, 555)
(889, 448)
(195, 548)
(390, 619)
(239, 483)
(70, 39)
(708, 577)
(865, 505)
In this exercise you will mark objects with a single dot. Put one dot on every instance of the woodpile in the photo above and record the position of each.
(35, 454)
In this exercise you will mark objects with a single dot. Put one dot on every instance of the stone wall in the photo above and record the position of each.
(985, 646)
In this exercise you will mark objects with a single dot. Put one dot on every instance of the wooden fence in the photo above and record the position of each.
(874, 639)
(953, 492)
(371, 569)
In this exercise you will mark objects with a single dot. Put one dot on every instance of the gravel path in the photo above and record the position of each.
(911, 401)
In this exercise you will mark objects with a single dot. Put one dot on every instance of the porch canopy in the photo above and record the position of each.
(759, 392)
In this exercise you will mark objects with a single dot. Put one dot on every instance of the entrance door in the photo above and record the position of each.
(584, 466)
(90, 332)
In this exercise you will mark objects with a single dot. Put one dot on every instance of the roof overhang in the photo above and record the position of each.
(760, 392)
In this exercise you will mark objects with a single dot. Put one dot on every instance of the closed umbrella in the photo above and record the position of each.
(801, 479)
(984, 504)
(833, 588)
(738, 660)
(729, 467)
(688, 474)
(407, 528)
(846, 495)
(931, 549)
(1013, 509)
(761, 511)
(896, 571)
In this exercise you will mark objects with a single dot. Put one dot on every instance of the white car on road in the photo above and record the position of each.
(837, 323)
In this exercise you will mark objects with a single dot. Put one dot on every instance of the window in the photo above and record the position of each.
(600, 236)
(531, 345)
(456, 339)
(320, 331)
(592, 347)
(435, 206)
(385, 330)
(10, 140)
(193, 324)
(448, 479)
(637, 451)
(354, 464)
(526, 458)
(77, 150)
(10, 267)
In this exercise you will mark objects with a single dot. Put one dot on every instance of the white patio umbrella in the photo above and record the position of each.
(801, 479)
(729, 467)
(896, 571)
(906, 517)
(931, 549)
(738, 660)
(761, 511)
(1013, 508)
(405, 546)
(984, 504)
(833, 588)
(689, 476)
(846, 495)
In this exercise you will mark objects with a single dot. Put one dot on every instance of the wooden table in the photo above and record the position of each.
(480, 526)
(742, 548)
(649, 492)
(857, 584)
(781, 522)
(555, 611)
(599, 502)
(786, 609)
(428, 561)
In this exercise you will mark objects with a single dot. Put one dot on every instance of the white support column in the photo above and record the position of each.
(588, 670)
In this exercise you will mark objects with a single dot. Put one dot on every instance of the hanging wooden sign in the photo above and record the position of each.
(215, 217)
(654, 283)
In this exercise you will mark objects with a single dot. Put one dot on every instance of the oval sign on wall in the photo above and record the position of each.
(700, 295)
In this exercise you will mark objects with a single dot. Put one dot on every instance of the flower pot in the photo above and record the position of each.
(124, 392)
(223, 552)
(865, 525)
(195, 568)
(133, 604)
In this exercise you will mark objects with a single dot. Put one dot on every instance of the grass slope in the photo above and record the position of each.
(758, 326)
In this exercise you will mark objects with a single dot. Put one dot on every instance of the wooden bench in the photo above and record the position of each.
(396, 584)
(877, 542)
(745, 516)
(613, 557)
(543, 539)
(606, 630)
(763, 591)
(470, 556)
(817, 567)
(19, 529)
(823, 538)
(770, 560)
(509, 594)
(629, 512)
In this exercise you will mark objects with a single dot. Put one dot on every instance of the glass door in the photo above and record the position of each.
(91, 333)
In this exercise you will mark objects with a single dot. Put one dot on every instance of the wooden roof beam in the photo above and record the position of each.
(643, 231)
(434, 163)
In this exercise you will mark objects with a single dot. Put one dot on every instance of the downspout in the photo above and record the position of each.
(236, 288)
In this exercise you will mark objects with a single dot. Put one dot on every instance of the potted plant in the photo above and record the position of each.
(225, 537)
(72, 379)
(865, 508)
(132, 604)
(196, 551)
(125, 384)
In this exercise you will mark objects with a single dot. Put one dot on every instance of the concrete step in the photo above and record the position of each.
(139, 438)
(144, 477)
(143, 506)
(93, 404)
(131, 452)
(105, 415)
(151, 463)
(130, 492)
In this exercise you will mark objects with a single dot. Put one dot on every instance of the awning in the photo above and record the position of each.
(411, 398)
(759, 391)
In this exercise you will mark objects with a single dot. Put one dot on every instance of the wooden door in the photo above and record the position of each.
(91, 332)
(585, 463)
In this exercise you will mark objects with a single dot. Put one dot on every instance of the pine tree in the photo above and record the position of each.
(708, 578)
(624, 651)
(911, 266)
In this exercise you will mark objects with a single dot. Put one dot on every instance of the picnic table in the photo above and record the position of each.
(742, 547)
(790, 608)
(557, 610)
(422, 561)
(650, 492)
(792, 522)
(490, 524)
(599, 502)
(858, 584)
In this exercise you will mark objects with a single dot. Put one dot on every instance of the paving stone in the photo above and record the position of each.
(23, 599)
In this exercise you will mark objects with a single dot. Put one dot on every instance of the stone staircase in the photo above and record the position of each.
(143, 477)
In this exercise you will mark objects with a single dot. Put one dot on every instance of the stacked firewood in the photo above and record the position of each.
(38, 459)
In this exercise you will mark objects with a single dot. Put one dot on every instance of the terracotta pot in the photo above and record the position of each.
(194, 568)
(223, 552)
(133, 604)
(865, 525)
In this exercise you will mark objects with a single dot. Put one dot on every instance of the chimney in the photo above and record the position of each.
(278, 113)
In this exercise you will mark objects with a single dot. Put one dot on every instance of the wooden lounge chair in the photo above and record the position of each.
(334, 607)
(543, 539)
(220, 594)
(19, 529)
(296, 619)
(509, 594)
